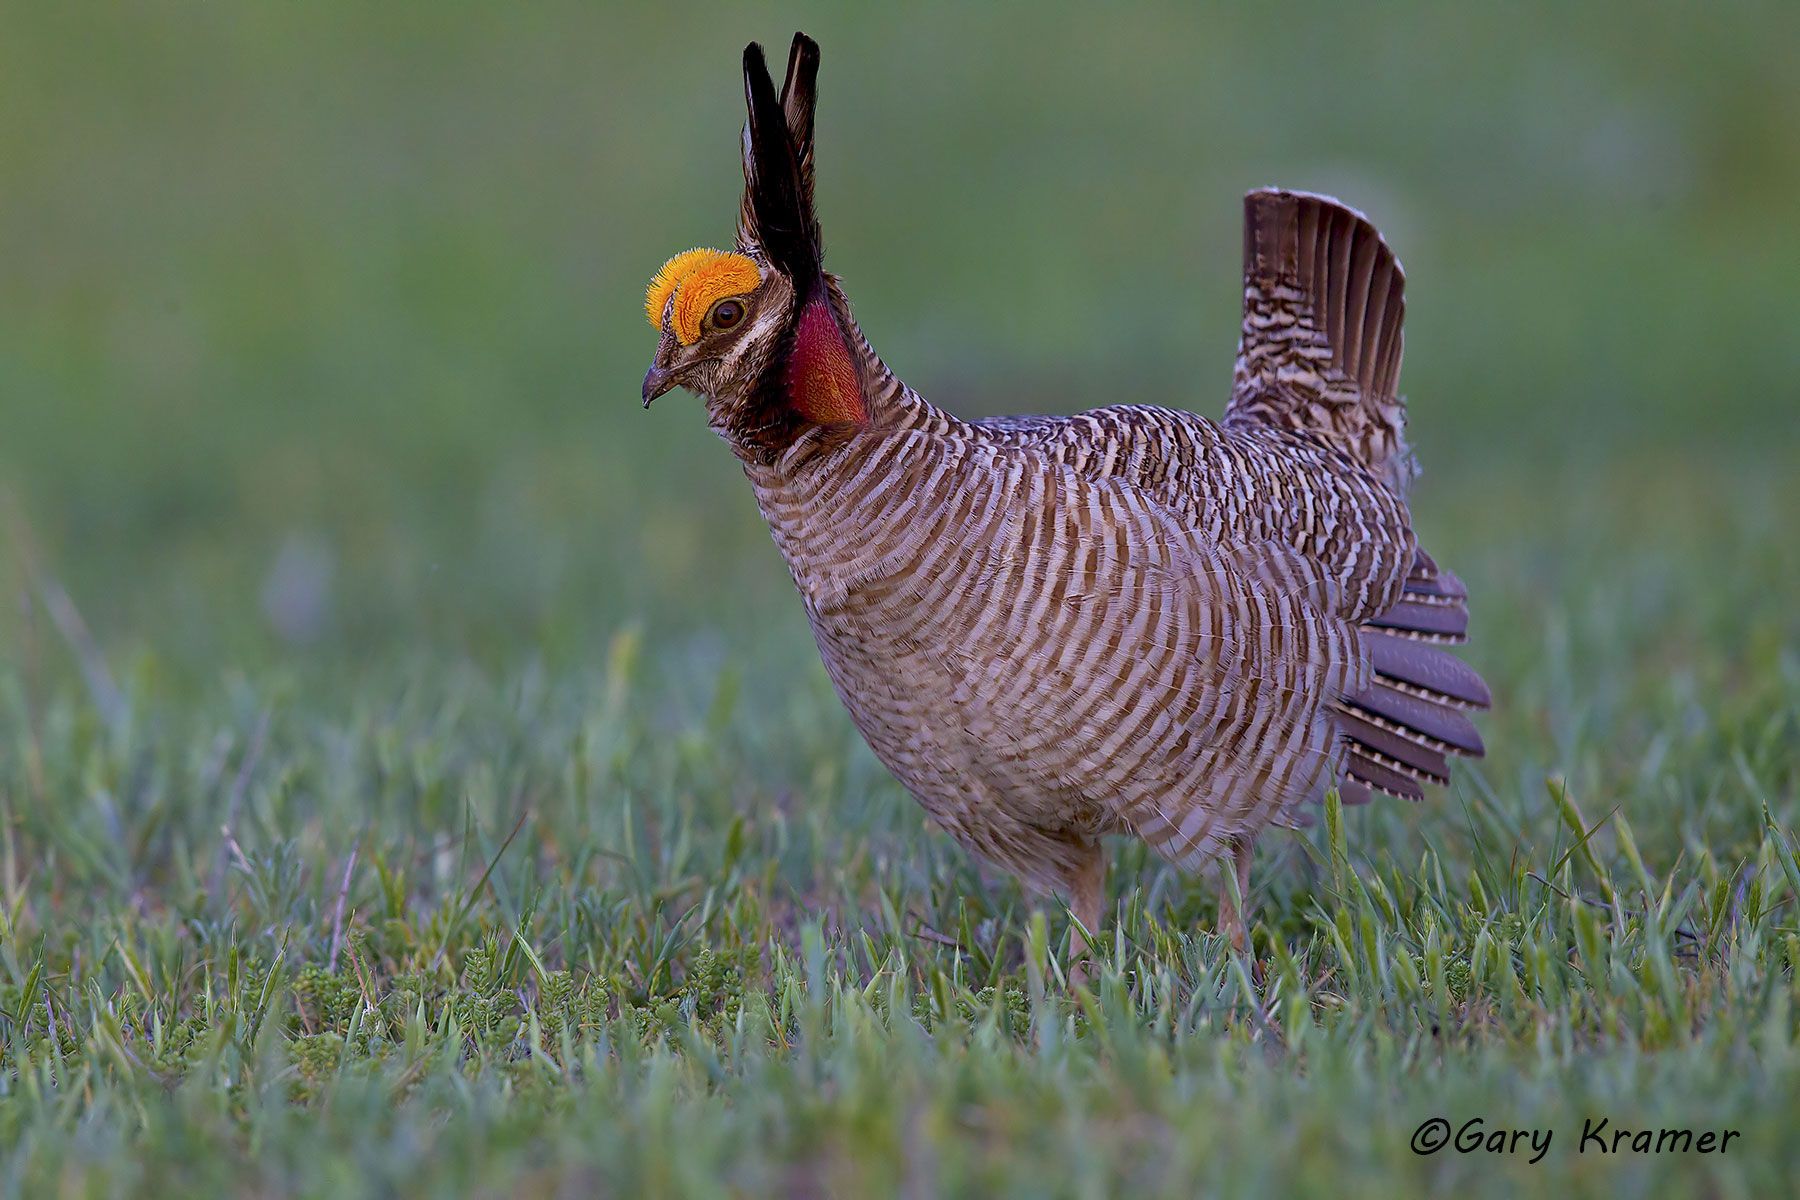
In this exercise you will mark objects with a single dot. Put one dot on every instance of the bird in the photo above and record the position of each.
(1134, 620)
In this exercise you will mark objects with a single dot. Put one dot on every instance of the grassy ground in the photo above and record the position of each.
(415, 772)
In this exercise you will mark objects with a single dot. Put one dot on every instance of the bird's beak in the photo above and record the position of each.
(656, 382)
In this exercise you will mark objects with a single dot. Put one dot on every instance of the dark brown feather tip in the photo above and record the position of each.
(1434, 725)
(1382, 778)
(1425, 620)
(799, 102)
(1418, 760)
(1438, 674)
(781, 212)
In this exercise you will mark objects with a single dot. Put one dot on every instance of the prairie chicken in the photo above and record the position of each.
(1131, 620)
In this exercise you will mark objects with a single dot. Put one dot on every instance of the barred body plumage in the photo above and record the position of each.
(1129, 620)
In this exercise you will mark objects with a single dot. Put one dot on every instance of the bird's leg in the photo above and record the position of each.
(1087, 897)
(1232, 906)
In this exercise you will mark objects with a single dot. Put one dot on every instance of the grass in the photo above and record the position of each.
(426, 927)
(415, 772)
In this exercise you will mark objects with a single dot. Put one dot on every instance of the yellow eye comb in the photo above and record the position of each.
(697, 279)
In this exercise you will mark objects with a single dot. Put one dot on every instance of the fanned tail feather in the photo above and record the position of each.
(1399, 734)
(1324, 306)
(1324, 301)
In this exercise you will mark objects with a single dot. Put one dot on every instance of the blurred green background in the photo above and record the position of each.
(334, 544)
(320, 325)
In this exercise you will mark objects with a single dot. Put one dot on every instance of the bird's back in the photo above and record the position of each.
(1243, 484)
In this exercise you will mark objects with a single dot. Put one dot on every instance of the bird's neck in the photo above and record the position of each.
(827, 388)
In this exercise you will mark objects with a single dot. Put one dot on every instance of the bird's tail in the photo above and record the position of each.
(1320, 349)
(1399, 732)
(1324, 302)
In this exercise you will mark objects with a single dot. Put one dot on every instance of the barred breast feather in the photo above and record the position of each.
(1042, 655)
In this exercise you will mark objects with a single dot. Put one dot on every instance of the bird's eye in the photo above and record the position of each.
(725, 314)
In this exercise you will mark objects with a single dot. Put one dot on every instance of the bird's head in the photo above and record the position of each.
(759, 332)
